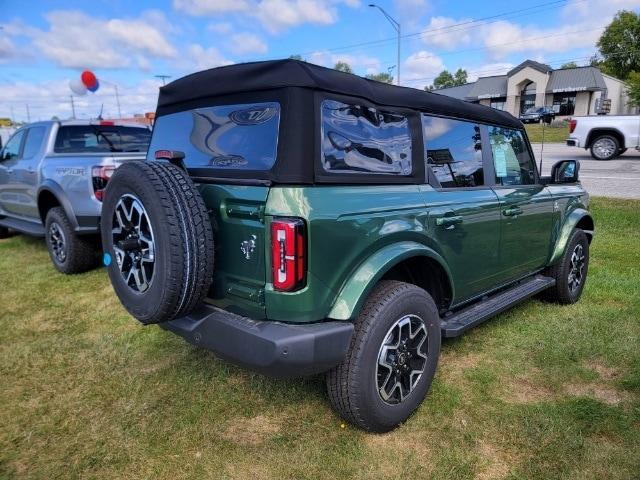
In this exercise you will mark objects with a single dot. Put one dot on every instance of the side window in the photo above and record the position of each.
(511, 158)
(453, 151)
(35, 137)
(364, 140)
(12, 148)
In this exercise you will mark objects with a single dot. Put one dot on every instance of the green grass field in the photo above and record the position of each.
(551, 134)
(541, 392)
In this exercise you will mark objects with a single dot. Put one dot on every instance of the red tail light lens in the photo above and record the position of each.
(288, 254)
(572, 125)
(99, 177)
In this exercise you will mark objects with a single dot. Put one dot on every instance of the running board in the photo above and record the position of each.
(459, 322)
(23, 226)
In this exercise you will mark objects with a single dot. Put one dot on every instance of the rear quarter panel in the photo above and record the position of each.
(346, 225)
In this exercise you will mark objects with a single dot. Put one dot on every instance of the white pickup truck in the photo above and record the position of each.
(606, 136)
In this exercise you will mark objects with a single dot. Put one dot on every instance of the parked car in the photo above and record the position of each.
(52, 178)
(606, 136)
(299, 220)
(538, 115)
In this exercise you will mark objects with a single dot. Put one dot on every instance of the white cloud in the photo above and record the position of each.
(245, 43)
(274, 15)
(210, 7)
(77, 40)
(441, 33)
(420, 68)
(221, 28)
(200, 58)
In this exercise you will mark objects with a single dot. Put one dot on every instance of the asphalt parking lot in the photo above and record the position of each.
(619, 178)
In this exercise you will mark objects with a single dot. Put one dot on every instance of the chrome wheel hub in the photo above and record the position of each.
(58, 242)
(402, 359)
(576, 272)
(133, 243)
(604, 147)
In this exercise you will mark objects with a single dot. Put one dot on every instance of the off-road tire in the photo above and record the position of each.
(352, 385)
(4, 232)
(615, 149)
(81, 252)
(182, 234)
(560, 292)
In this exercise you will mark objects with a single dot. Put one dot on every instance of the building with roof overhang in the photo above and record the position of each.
(570, 91)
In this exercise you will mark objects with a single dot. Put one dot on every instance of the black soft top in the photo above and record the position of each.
(276, 74)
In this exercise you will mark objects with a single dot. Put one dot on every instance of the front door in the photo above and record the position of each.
(526, 206)
(25, 173)
(464, 211)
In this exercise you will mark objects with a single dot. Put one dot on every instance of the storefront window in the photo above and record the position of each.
(528, 97)
(498, 103)
(564, 103)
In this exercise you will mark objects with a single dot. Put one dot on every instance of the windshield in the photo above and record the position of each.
(242, 137)
(535, 110)
(101, 139)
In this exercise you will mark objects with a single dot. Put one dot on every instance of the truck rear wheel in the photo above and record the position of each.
(392, 358)
(157, 239)
(605, 147)
(70, 253)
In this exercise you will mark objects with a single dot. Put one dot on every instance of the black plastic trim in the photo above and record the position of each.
(276, 349)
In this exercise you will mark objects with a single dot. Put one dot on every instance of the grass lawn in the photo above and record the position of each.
(551, 134)
(541, 392)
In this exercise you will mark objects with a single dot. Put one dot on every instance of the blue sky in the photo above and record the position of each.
(44, 44)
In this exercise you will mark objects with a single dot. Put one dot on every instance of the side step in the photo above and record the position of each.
(23, 226)
(461, 321)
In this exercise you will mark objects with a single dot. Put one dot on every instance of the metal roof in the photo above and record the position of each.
(541, 67)
(460, 92)
(575, 80)
(489, 87)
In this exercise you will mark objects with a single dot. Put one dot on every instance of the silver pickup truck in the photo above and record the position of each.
(607, 136)
(52, 178)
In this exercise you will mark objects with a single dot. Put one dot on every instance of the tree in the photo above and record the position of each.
(445, 79)
(343, 67)
(569, 65)
(633, 89)
(619, 43)
(297, 57)
(383, 77)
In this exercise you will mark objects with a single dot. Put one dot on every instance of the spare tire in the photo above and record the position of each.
(157, 241)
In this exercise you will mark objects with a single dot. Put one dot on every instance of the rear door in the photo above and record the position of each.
(11, 154)
(26, 172)
(464, 211)
(526, 206)
(223, 146)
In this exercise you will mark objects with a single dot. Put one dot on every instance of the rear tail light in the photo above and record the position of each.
(572, 125)
(99, 177)
(288, 254)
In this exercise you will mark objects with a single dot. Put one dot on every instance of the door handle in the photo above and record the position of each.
(448, 221)
(512, 212)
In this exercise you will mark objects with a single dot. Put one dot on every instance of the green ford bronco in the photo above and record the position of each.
(298, 220)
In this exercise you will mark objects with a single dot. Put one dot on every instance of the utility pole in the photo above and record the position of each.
(118, 100)
(396, 26)
(73, 108)
(163, 78)
(13, 118)
(28, 114)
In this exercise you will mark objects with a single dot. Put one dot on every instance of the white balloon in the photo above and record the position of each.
(78, 87)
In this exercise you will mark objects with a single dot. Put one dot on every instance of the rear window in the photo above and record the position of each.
(240, 137)
(101, 139)
(364, 140)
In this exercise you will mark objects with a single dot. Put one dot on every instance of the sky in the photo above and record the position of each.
(44, 44)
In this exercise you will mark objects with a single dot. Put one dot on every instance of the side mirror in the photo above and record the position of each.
(565, 171)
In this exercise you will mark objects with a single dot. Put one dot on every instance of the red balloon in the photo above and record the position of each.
(89, 79)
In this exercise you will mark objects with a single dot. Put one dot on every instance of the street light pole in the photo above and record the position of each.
(396, 26)
(164, 78)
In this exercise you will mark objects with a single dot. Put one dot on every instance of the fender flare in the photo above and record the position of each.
(354, 292)
(569, 224)
(57, 191)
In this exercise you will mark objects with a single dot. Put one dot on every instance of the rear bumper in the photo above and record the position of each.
(272, 348)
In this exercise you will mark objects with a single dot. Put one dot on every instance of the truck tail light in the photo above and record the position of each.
(572, 125)
(99, 177)
(288, 254)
